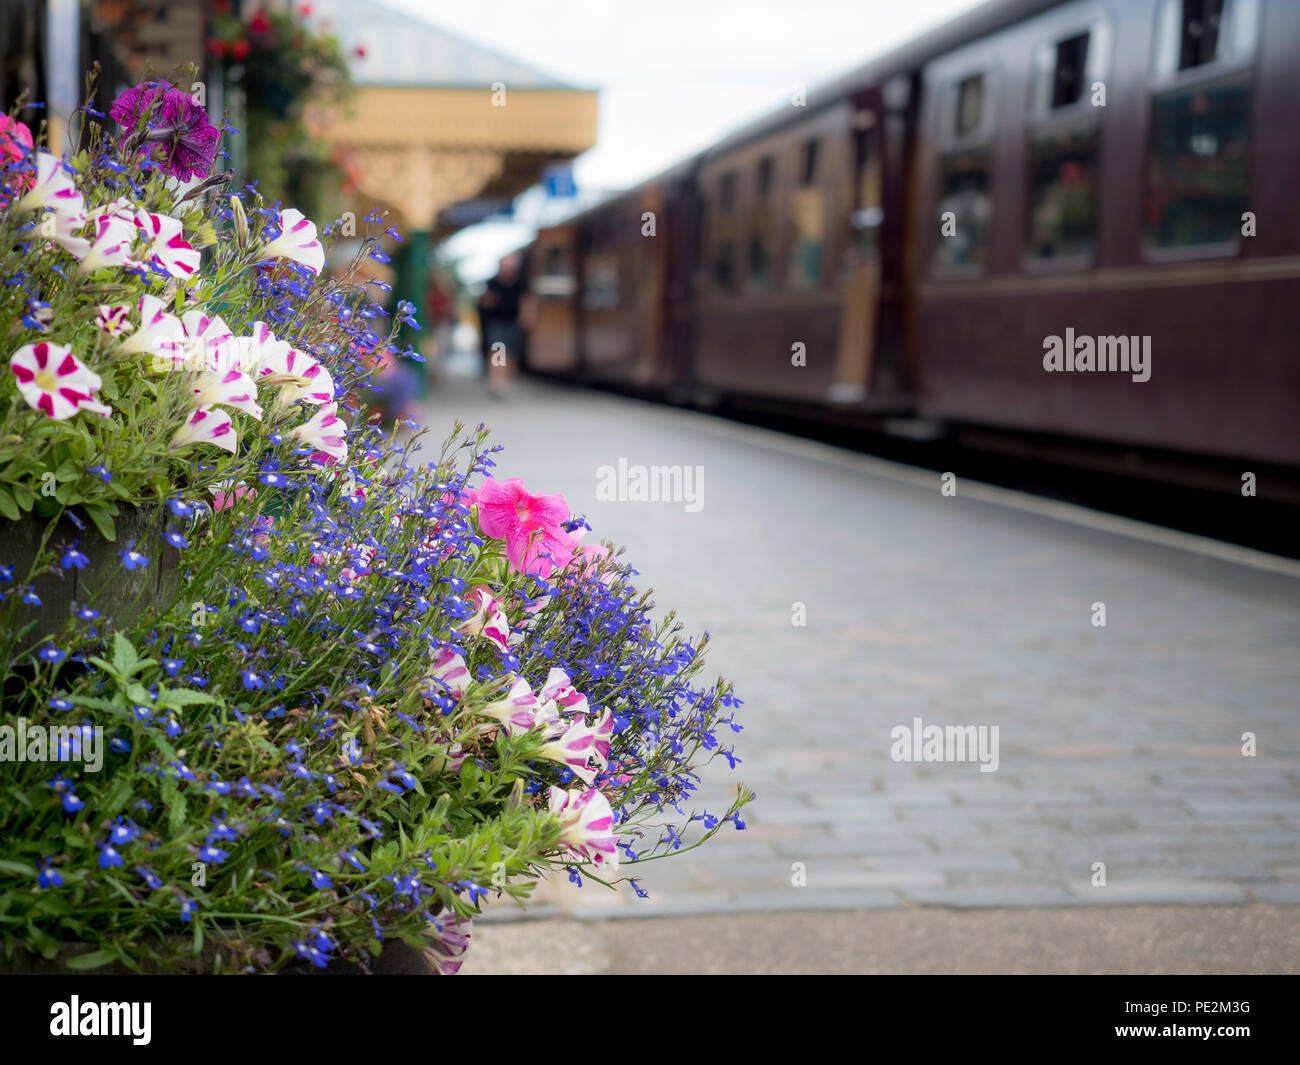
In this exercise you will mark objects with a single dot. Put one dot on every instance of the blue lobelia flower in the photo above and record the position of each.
(49, 877)
(131, 558)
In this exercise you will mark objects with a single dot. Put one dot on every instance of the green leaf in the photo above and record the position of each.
(177, 808)
(94, 700)
(93, 960)
(117, 798)
(99, 514)
(7, 505)
(184, 697)
(17, 868)
(125, 660)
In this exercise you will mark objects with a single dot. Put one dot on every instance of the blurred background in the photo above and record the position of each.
(819, 253)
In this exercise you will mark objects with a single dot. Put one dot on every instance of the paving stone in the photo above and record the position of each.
(1146, 892)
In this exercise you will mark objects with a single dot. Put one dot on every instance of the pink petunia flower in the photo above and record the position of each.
(297, 241)
(15, 144)
(586, 558)
(532, 526)
(53, 380)
(228, 493)
(588, 825)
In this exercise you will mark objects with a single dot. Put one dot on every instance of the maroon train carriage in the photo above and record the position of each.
(1112, 173)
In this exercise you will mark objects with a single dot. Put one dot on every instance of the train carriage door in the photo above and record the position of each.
(858, 311)
(552, 339)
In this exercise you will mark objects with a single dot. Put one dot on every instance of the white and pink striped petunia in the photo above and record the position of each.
(209, 343)
(488, 620)
(113, 320)
(587, 822)
(297, 241)
(557, 687)
(206, 427)
(574, 749)
(298, 375)
(54, 188)
(516, 710)
(325, 432)
(166, 244)
(111, 245)
(604, 732)
(160, 334)
(53, 380)
(450, 669)
(232, 388)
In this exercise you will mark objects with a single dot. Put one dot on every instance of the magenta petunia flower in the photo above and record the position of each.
(532, 526)
(178, 133)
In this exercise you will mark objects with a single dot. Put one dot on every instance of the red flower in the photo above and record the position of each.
(259, 23)
(216, 47)
(240, 49)
(359, 51)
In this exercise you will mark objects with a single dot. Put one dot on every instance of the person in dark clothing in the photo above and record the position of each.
(499, 311)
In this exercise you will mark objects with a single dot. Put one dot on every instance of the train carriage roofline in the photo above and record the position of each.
(983, 21)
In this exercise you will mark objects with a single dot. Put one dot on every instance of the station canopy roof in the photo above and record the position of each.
(429, 133)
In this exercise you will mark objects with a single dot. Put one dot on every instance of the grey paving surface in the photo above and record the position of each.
(1113, 940)
(1119, 744)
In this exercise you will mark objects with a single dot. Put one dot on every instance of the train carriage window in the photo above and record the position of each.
(1196, 166)
(807, 219)
(970, 105)
(760, 228)
(868, 199)
(965, 209)
(722, 236)
(1196, 33)
(601, 288)
(1063, 194)
(1196, 186)
(965, 206)
(1064, 148)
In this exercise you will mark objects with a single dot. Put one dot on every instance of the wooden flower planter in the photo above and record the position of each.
(120, 597)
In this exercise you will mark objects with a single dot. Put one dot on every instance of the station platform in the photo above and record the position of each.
(1119, 744)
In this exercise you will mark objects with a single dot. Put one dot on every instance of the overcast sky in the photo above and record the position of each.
(674, 75)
